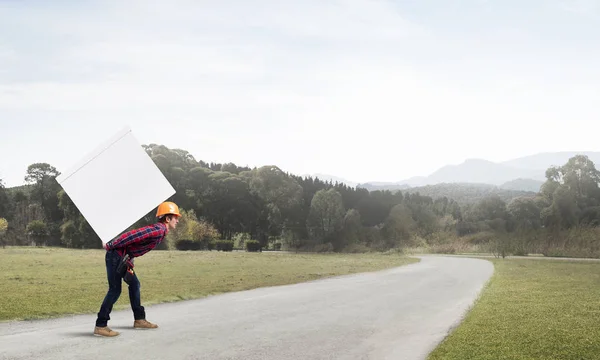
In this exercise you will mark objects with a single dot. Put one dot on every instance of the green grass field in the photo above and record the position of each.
(48, 282)
(532, 309)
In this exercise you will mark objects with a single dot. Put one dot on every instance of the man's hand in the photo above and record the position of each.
(105, 246)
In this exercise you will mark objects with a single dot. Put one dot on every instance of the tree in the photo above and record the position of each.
(3, 229)
(580, 177)
(572, 193)
(272, 206)
(43, 176)
(491, 207)
(565, 207)
(524, 213)
(38, 172)
(373, 211)
(281, 194)
(70, 236)
(326, 214)
(38, 230)
(4, 201)
(229, 204)
(352, 230)
(75, 231)
(425, 218)
(398, 226)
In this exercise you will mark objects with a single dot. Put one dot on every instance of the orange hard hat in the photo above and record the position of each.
(167, 208)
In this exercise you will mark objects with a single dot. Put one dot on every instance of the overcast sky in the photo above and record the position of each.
(365, 90)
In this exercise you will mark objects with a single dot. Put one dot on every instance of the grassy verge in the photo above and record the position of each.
(532, 309)
(48, 282)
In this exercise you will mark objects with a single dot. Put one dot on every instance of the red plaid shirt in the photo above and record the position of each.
(137, 242)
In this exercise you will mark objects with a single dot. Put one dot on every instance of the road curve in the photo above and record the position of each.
(400, 313)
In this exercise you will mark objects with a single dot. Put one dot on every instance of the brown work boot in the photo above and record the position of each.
(105, 331)
(144, 324)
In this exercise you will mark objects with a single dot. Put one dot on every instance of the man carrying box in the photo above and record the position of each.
(120, 253)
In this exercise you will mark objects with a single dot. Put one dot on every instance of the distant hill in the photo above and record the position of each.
(382, 186)
(523, 184)
(543, 161)
(524, 173)
(334, 179)
(467, 193)
(480, 172)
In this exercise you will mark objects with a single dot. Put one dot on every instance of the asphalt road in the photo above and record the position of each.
(401, 313)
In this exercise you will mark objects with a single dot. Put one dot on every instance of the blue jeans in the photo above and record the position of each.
(114, 292)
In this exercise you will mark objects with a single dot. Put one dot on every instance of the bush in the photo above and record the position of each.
(3, 226)
(188, 245)
(208, 244)
(357, 249)
(224, 245)
(191, 229)
(277, 246)
(323, 248)
(253, 246)
(466, 228)
(240, 239)
(444, 249)
(482, 237)
(454, 247)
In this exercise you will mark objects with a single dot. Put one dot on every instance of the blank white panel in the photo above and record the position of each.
(115, 185)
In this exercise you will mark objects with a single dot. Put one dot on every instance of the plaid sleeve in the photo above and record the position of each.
(131, 237)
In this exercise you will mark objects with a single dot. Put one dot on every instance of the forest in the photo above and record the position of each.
(227, 207)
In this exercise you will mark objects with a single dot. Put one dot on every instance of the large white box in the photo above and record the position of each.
(115, 185)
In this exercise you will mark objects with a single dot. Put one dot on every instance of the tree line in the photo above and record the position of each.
(227, 206)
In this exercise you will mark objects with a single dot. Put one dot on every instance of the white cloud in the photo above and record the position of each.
(587, 8)
(315, 86)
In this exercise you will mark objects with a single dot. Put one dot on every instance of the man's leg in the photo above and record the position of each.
(139, 313)
(135, 298)
(113, 294)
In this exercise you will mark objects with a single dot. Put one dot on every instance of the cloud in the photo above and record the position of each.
(313, 86)
(586, 8)
(188, 54)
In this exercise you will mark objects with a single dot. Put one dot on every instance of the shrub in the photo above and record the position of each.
(224, 245)
(323, 248)
(3, 226)
(481, 237)
(208, 244)
(3, 230)
(240, 239)
(357, 249)
(253, 246)
(466, 227)
(277, 246)
(444, 249)
(188, 245)
(192, 229)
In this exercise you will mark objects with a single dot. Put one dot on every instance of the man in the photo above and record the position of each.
(134, 243)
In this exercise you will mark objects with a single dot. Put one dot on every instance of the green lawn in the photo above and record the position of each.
(47, 282)
(532, 309)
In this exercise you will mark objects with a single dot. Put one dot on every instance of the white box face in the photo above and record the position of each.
(115, 185)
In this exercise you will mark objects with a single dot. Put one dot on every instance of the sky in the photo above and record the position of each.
(366, 90)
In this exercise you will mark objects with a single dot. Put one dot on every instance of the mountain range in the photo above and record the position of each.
(521, 174)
